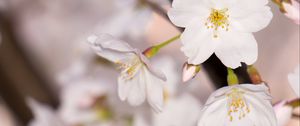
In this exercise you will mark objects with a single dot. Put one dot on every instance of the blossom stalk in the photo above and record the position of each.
(232, 78)
(153, 50)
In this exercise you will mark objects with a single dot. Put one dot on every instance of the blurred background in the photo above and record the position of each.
(41, 39)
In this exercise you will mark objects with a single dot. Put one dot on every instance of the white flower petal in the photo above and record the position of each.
(210, 114)
(110, 48)
(184, 12)
(156, 72)
(236, 48)
(186, 4)
(198, 43)
(43, 115)
(133, 90)
(184, 108)
(154, 91)
(261, 112)
(250, 20)
(77, 99)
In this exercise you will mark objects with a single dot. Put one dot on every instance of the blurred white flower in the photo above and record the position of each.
(75, 71)
(43, 115)
(182, 110)
(283, 113)
(294, 81)
(292, 10)
(138, 79)
(239, 105)
(223, 27)
(79, 102)
(130, 19)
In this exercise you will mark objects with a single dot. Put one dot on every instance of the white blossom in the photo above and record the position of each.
(79, 101)
(294, 81)
(239, 105)
(43, 115)
(138, 80)
(223, 27)
(182, 110)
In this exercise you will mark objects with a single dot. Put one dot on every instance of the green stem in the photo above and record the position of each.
(232, 78)
(153, 50)
(163, 44)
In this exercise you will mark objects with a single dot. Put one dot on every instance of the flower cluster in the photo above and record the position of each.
(221, 27)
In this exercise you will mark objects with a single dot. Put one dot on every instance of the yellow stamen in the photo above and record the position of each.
(237, 104)
(129, 68)
(217, 19)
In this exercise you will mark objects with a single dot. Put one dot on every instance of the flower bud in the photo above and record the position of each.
(190, 71)
(292, 10)
(254, 75)
(151, 51)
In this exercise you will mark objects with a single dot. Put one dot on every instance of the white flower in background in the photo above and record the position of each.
(43, 115)
(294, 81)
(182, 110)
(292, 10)
(283, 113)
(79, 102)
(239, 105)
(131, 18)
(223, 27)
(138, 79)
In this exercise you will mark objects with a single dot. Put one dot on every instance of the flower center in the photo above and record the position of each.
(237, 107)
(130, 67)
(217, 19)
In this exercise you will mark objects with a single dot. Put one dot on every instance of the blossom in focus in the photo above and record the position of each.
(138, 80)
(292, 10)
(239, 105)
(294, 81)
(130, 19)
(223, 27)
(283, 113)
(43, 115)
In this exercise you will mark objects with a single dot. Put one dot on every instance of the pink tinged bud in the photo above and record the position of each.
(150, 52)
(189, 71)
(292, 10)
